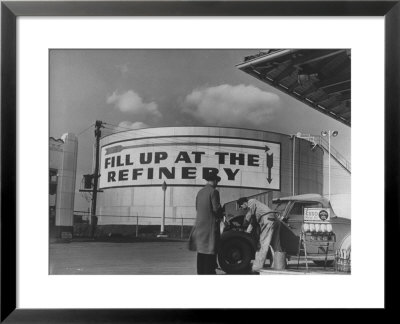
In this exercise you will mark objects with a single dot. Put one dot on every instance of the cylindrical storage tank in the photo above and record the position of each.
(66, 178)
(134, 164)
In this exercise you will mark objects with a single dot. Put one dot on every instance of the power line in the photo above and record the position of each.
(84, 130)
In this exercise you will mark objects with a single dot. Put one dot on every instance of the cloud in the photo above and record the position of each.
(123, 68)
(131, 102)
(227, 105)
(129, 125)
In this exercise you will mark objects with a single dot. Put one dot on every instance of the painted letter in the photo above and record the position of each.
(239, 158)
(119, 161)
(183, 156)
(158, 156)
(231, 175)
(111, 176)
(252, 160)
(150, 172)
(209, 171)
(128, 160)
(143, 159)
(188, 173)
(123, 175)
(197, 156)
(136, 173)
(168, 174)
(107, 162)
(221, 155)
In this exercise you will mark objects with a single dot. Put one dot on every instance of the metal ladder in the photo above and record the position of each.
(320, 141)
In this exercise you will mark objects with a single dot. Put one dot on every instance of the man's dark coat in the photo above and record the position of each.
(205, 233)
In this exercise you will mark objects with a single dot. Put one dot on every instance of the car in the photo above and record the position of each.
(237, 248)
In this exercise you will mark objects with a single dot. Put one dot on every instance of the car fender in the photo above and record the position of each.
(237, 234)
(345, 243)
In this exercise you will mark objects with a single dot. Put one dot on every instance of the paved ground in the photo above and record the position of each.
(119, 258)
(122, 258)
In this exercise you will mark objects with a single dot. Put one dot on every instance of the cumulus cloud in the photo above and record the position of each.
(129, 125)
(131, 102)
(228, 105)
(123, 68)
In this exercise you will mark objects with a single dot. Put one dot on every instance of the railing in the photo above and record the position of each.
(319, 140)
(82, 219)
(334, 153)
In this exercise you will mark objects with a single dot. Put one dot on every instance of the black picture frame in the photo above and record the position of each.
(10, 11)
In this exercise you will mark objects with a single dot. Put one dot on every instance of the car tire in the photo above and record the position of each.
(235, 255)
(346, 243)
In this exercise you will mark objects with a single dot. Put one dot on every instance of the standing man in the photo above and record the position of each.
(205, 233)
(257, 212)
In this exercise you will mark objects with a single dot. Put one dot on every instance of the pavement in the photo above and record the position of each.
(302, 270)
(119, 258)
(149, 257)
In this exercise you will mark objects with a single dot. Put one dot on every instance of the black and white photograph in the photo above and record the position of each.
(200, 161)
(186, 161)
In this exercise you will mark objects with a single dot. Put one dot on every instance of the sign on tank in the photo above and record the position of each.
(185, 161)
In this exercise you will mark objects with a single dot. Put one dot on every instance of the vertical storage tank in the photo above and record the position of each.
(134, 164)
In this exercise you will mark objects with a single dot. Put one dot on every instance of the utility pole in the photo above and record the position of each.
(329, 133)
(293, 161)
(97, 134)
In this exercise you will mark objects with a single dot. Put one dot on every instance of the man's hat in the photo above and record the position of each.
(241, 201)
(212, 177)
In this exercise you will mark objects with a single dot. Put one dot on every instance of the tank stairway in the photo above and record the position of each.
(320, 141)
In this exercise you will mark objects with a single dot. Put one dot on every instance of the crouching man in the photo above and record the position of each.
(260, 214)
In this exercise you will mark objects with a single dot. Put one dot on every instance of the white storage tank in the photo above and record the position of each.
(134, 164)
(62, 174)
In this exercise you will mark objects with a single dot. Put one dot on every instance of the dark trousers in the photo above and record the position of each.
(206, 263)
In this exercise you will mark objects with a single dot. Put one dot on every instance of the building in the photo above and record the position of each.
(134, 164)
(62, 176)
(321, 79)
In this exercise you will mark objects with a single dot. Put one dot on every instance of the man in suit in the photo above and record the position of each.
(205, 233)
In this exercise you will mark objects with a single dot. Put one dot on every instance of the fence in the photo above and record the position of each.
(139, 225)
(132, 225)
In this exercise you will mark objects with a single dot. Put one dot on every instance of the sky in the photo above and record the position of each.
(152, 88)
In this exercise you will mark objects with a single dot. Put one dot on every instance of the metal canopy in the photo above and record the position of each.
(319, 78)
